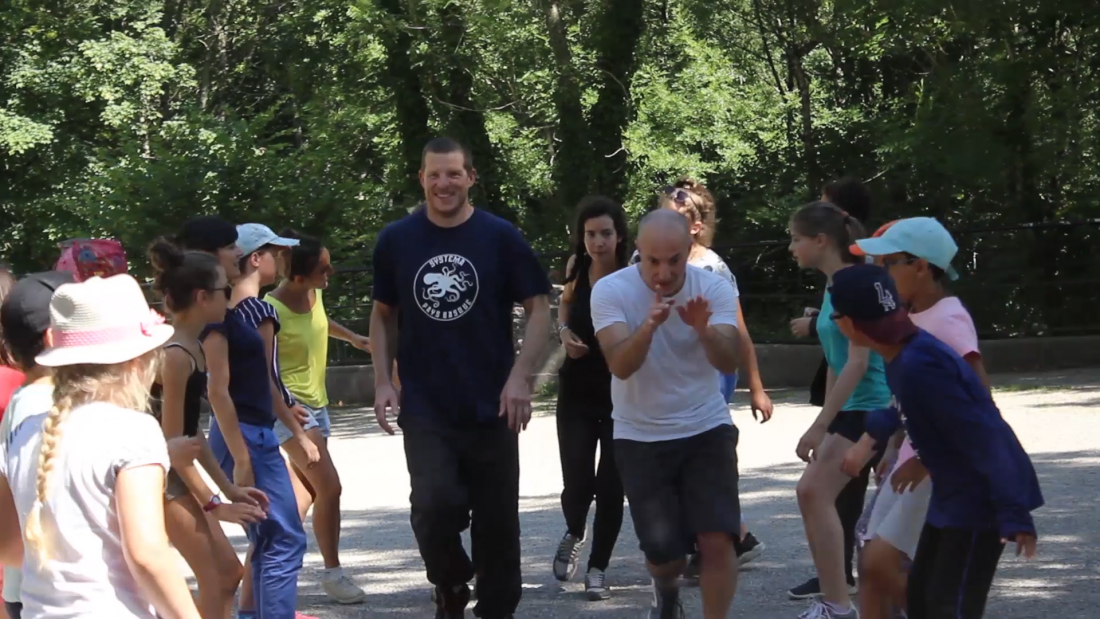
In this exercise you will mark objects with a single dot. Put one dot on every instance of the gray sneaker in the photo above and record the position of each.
(666, 605)
(821, 610)
(595, 587)
(565, 560)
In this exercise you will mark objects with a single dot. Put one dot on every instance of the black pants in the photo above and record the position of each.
(459, 474)
(579, 432)
(952, 573)
(14, 609)
(849, 506)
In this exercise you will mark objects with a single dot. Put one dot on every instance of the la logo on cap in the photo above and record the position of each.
(885, 299)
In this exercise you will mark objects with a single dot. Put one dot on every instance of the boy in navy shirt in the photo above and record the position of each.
(446, 280)
(984, 487)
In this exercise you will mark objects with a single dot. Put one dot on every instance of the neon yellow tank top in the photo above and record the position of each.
(303, 351)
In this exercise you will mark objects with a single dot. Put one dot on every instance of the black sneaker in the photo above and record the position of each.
(451, 604)
(666, 605)
(812, 588)
(748, 549)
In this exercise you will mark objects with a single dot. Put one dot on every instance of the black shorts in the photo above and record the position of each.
(952, 573)
(849, 424)
(680, 488)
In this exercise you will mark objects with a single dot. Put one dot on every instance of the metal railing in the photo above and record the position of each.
(1023, 280)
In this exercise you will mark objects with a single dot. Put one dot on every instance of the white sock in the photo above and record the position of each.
(838, 609)
(332, 573)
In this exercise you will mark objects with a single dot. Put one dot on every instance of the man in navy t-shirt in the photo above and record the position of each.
(446, 278)
(984, 486)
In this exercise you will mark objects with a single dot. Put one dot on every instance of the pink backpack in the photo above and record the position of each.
(86, 258)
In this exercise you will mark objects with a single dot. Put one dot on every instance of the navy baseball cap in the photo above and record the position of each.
(866, 294)
(25, 314)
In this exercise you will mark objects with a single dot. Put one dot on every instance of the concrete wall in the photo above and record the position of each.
(785, 365)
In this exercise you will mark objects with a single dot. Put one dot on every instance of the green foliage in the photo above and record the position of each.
(125, 118)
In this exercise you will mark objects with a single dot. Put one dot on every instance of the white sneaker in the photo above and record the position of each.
(821, 610)
(595, 587)
(343, 591)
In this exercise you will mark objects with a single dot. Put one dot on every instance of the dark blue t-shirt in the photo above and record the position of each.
(455, 289)
(981, 476)
(248, 370)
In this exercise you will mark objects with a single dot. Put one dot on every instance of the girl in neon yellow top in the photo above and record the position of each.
(303, 360)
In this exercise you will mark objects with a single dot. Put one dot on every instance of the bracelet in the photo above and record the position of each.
(562, 327)
(212, 504)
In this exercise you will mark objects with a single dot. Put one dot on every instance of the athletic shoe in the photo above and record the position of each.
(821, 610)
(565, 561)
(666, 605)
(303, 616)
(343, 591)
(451, 604)
(812, 588)
(748, 549)
(595, 587)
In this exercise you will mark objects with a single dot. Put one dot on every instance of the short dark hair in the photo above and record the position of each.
(851, 195)
(7, 281)
(208, 234)
(938, 274)
(446, 146)
(305, 255)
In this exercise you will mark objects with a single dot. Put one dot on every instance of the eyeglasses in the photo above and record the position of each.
(228, 290)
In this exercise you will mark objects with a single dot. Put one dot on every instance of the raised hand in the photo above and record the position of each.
(696, 313)
(660, 310)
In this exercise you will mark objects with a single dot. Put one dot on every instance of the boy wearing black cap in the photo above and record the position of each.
(983, 483)
(25, 318)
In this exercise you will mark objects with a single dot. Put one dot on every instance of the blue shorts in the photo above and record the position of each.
(318, 418)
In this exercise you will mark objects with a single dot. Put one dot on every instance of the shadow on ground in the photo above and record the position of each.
(380, 553)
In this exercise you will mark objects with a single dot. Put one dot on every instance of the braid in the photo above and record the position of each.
(123, 384)
(34, 532)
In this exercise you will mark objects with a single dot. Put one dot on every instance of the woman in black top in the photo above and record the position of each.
(195, 291)
(584, 398)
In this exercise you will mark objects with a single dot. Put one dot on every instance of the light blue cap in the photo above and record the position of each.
(923, 237)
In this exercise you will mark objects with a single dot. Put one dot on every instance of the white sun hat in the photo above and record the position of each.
(102, 322)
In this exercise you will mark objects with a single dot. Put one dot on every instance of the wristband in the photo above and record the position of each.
(562, 327)
(212, 504)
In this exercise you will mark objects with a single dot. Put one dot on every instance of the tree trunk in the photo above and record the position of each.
(617, 32)
(572, 155)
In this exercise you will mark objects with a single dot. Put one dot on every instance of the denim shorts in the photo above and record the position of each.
(318, 418)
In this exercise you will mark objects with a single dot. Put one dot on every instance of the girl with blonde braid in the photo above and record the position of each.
(85, 481)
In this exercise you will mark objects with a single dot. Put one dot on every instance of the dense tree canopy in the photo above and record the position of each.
(124, 118)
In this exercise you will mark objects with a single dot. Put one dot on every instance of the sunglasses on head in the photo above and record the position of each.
(678, 195)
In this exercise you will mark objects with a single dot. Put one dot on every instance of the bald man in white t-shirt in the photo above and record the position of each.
(664, 328)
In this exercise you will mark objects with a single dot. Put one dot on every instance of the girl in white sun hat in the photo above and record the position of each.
(87, 478)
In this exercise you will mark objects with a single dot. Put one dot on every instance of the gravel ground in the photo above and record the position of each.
(1053, 414)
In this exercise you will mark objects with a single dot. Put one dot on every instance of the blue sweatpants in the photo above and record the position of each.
(279, 542)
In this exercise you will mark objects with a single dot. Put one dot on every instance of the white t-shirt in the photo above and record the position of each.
(26, 402)
(676, 393)
(87, 575)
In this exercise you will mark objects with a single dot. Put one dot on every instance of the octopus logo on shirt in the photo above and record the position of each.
(446, 287)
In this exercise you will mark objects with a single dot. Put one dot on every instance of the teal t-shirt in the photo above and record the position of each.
(872, 392)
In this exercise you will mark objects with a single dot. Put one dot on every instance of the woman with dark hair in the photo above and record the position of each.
(196, 291)
(601, 247)
(303, 363)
